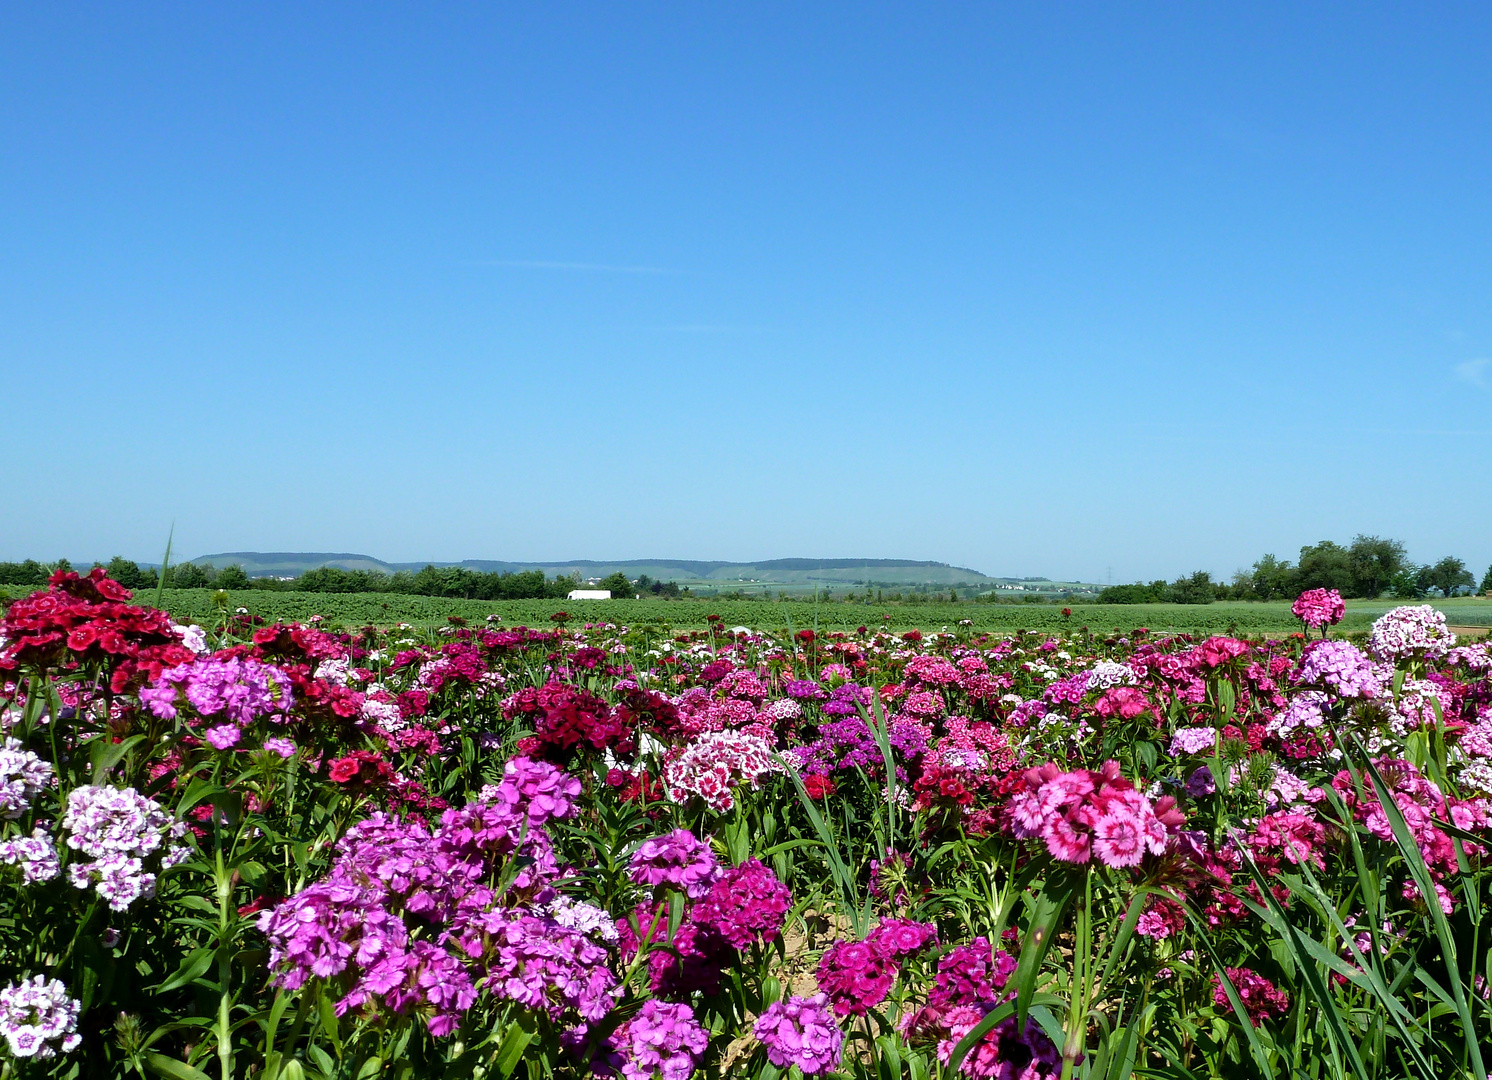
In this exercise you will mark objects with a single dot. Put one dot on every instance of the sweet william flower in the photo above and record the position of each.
(800, 1031)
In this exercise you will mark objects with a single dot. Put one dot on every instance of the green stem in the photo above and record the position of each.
(1082, 982)
(224, 881)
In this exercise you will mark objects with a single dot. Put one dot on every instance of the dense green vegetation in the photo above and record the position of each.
(382, 609)
(1369, 567)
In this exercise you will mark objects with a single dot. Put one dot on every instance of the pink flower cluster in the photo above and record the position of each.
(745, 903)
(407, 916)
(1084, 813)
(1319, 607)
(1261, 1000)
(1343, 667)
(662, 1041)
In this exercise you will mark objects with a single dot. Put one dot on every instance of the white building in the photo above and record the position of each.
(589, 594)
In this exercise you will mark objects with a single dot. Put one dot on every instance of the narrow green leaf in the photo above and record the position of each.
(194, 964)
(1050, 905)
(170, 1067)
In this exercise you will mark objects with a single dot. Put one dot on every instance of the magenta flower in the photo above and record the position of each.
(1319, 607)
(857, 975)
(747, 902)
(1261, 1000)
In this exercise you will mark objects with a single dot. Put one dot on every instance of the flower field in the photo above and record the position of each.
(247, 846)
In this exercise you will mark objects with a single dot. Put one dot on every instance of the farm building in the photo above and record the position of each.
(589, 594)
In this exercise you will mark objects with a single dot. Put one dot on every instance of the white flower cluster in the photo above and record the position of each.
(119, 829)
(1107, 673)
(1405, 631)
(22, 776)
(38, 1018)
(193, 637)
(581, 917)
(34, 854)
(714, 764)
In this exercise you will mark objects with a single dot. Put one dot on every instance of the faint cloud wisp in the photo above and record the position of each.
(604, 268)
(1474, 371)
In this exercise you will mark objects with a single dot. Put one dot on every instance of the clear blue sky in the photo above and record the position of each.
(1044, 289)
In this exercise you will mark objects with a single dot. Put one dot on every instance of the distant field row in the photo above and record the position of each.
(385, 609)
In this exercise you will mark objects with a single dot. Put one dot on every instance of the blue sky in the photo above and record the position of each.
(1048, 289)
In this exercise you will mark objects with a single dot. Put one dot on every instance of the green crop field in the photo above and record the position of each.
(385, 609)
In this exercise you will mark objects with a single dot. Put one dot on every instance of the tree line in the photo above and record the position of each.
(1369, 567)
(455, 582)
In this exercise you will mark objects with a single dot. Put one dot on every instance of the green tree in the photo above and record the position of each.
(126, 572)
(1197, 589)
(1406, 584)
(1373, 561)
(187, 576)
(232, 577)
(1486, 586)
(1327, 565)
(1273, 579)
(619, 584)
(1448, 575)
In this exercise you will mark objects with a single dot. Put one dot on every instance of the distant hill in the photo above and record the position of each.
(792, 573)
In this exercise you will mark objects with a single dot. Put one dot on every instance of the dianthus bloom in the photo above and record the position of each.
(38, 1018)
(236, 690)
(711, 767)
(22, 777)
(678, 859)
(1409, 631)
(803, 690)
(1005, 1052)
(662, 1040)
(1341, 666)
(1084, 813)
(801, 1031)
(971, 973)
(1319, 607)
(901, 938)
(1193, 740)
(857, 975)
(34, 854)
(536, 789)
(119, 828)
(1261, 1000)
(745, 902)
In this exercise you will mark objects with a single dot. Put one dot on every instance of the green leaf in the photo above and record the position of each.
(194, 964)
(1042, 929)
(170, 1067)
(510, 1053)
(105, 754)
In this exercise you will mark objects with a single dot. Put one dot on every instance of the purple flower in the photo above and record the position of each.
(801, 1031)
(857, 975)
(537, 789)
(223, 736)
(803, 690)
(677, 859)
(970, 974)
(284, 747)
(901, 938)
